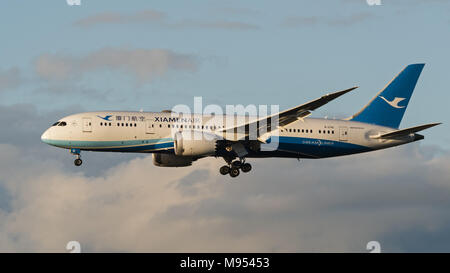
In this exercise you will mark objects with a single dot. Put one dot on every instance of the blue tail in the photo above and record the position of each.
(388, 106)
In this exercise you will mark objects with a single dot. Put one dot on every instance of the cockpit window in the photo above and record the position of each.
(62, 123)
(56, 123)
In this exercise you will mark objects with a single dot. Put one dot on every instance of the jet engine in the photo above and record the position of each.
(171, 160)
(195, 143)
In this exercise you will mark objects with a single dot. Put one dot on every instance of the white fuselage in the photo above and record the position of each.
(148, 132)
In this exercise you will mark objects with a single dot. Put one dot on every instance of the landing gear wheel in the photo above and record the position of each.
(78, 162)
(236, 164)
(246, 167)
(224, 170)
(234, 172)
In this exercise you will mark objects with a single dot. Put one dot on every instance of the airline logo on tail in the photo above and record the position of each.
(394, 102)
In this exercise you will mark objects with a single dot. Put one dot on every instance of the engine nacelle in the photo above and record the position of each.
(171, 160)
(195, 143)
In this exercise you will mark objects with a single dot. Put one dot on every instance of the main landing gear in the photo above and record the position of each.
(78, 160)
(234, 167)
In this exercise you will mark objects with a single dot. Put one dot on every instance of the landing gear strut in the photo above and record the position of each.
(78, 160)
(234, 167)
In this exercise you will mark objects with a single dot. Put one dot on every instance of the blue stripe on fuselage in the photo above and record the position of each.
(317, 148)
(147, 145)
(295, 146)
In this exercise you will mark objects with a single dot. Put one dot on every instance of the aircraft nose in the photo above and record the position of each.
(45, 137)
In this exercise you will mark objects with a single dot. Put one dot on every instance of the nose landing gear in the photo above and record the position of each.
(234, 167)
(78, 160)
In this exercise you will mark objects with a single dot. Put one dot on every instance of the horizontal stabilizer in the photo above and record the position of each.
(407, 131)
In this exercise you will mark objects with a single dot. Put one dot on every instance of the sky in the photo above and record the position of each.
(59, 60)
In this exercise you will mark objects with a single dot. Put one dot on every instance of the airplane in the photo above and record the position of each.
(169, 136)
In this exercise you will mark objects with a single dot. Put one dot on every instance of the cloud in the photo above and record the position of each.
(316, 205)
(397, 3)
(118, 202)
(237, 11)
(295, 21)
(28, 123)
(10, 78)
(158, 18)
(26, 130)
(147, 16)
(231, 25)
(144, 65)
(348, 20)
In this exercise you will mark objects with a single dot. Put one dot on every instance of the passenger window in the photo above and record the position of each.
(101, 123)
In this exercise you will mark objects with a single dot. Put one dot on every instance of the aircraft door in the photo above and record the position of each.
(87, 125)
(343, 133)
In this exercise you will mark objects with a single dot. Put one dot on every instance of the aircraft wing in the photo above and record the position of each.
(407, 131)
(285, 117)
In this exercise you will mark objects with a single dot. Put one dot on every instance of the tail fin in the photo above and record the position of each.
(388, 106)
